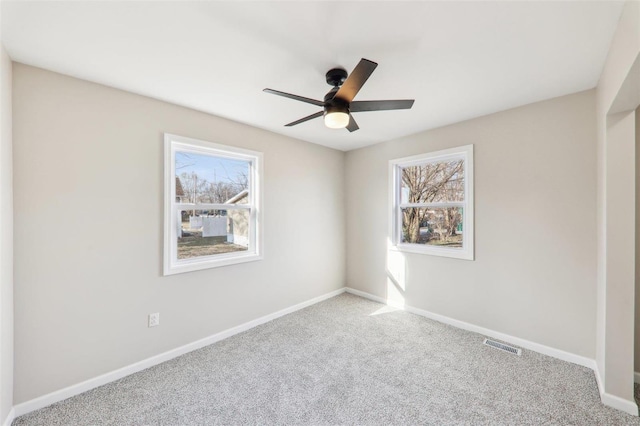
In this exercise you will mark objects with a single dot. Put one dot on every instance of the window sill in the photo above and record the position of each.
(198, 265)
(463, 253)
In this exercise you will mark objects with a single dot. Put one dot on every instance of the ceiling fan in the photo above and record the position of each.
(339, 104)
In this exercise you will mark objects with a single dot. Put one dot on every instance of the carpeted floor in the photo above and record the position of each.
(345, 361)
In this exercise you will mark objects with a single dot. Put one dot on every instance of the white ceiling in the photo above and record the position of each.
(458, 60)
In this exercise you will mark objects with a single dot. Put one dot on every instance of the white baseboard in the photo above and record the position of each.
(613, 401)
(629, 407)
(619, 403)
(68, 392)
(10, 417)
(368, 296)
(536, 347)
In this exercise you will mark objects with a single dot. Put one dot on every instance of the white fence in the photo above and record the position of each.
(214, 226)
(217, 226)
(195, 222)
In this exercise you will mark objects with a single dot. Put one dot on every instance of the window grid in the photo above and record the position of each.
(397, 166)
(174, 209)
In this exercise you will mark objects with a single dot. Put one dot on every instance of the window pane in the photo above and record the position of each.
(433, 226)
(433, 182)
(204, 178)
(207, 233)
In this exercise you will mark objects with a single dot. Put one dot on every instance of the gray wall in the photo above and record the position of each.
(88, 172)
(534, 276)
(6, 239)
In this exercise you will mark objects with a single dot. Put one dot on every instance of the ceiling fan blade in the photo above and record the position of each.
(359, 106)
(307, 118)
(295, 97)
(356, 80)
(352, 126)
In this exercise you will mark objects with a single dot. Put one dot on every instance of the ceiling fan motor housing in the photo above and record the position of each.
(336, 76)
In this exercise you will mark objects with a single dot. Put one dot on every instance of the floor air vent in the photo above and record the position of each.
(503, 347)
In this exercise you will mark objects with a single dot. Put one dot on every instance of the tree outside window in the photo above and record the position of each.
(433, 203)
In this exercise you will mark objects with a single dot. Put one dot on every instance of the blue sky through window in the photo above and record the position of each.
(210, 168)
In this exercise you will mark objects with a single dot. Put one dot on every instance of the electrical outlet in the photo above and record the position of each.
(154, 319)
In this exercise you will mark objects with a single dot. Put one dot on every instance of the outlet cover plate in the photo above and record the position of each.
(154, 319)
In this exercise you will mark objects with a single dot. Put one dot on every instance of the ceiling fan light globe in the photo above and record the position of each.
(336, 120)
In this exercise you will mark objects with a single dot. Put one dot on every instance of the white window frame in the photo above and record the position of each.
(395, 181)
(172, 265)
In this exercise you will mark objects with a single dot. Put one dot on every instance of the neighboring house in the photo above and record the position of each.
(238, 224)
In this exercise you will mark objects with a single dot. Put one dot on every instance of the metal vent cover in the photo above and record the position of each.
(503, 347)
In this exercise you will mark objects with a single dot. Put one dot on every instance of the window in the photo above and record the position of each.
(432, 203)
(212, 205)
